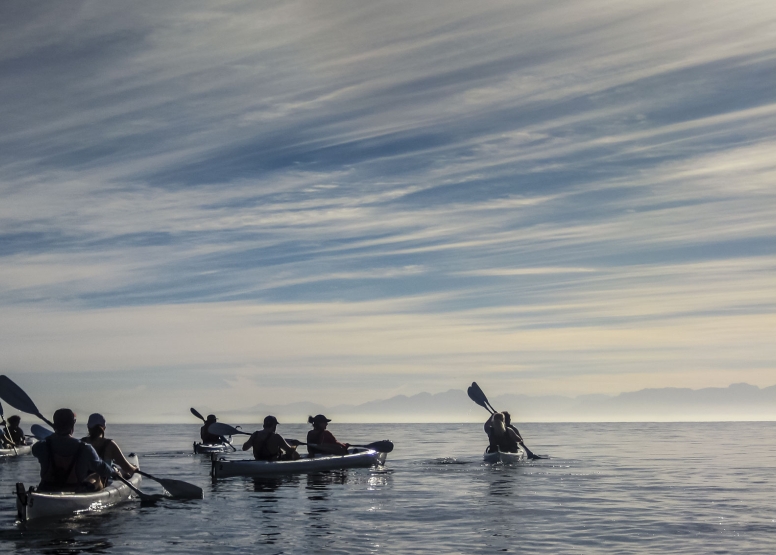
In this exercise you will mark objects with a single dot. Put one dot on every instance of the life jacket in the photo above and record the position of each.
(61, 470)
(262, 453)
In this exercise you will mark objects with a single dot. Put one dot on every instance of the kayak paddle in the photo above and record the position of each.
(221, 429)
(384, 446)
(177, 488)
(195, 412)
(18, 399)
(144, 497)
(6, 434)
(478, 396)
(40, 432)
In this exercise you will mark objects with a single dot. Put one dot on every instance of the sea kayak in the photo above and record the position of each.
(355, 458)
(503, 458)
(207, 448)
(18, 450)
(32, 504)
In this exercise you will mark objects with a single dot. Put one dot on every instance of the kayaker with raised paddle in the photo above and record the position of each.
(67, 464)
(501, 437)
(268, 445)
(107, 449)
(204, 431)
(323, 438)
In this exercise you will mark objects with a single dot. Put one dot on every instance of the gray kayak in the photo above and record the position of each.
(32, 504)
(356, 458)
(15, 451)
(207, 448)
(503, 458)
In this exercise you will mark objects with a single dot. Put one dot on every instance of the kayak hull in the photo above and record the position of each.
(208, 448)
(19, 450)
(33, 504)
(358, 459)
(503, 458)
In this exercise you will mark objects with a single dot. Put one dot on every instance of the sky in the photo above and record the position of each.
(227, 203)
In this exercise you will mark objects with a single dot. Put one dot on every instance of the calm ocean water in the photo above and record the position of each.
(607, 488)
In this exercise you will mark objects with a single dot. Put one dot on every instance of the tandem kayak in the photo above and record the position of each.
(32, 504)
(207, 448)
(503, 458)
(356, 458)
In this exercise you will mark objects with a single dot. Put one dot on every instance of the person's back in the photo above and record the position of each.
(204, 431)
(65, 462)
(107, 449)
(268, 445)
(500, 437)
(14, 431)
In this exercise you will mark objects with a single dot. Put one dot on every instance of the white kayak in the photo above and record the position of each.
(32, 504)
(503, 458)
(355, 458)
(207, 448)
(15, 451)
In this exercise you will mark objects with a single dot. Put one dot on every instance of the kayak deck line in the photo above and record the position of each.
(32, 504)
(356, 458)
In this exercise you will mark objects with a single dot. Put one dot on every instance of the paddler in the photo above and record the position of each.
(107, 449)
(204, 431)
(268, 445)
(501, 437)
(323, 438)
(67, 463)
(15, 433)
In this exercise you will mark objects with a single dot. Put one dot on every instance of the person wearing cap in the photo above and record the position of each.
(324, 440)
(107, 449)
(204, 431)
(268, 445)
(67, 464)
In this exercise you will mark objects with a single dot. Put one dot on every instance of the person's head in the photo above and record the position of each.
(211, 418)
(96, 425)
(318, 421)
(14, 421)
(498, 424)
(507, 418)
(64, 422)
(270, 422)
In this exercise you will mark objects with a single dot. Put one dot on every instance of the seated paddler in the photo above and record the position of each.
(322, 439)
(501, 438)
(107, 449)
(204, 431)
(268, 445)
(67, 464)
(15, 433)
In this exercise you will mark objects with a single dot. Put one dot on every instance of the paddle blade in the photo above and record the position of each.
(40, 432)
(221, 429)
(180, 489)
(481, 396)
(474, 395)
(195, 412)
(384, 446)
(16, 397)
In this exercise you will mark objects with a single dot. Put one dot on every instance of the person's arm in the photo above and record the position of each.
(488, 427)
(113, 451)
(248, 444)
(512, 429)
(514, 436)
(284, 446)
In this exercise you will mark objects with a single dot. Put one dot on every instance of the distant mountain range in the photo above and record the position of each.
(736, 402)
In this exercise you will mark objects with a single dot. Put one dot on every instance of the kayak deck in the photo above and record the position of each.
(502, 457)
(32, 504)
(356, 458)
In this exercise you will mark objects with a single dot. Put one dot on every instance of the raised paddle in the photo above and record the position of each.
(18, 399)
(6, 433)
(478, 396)
(195, 412)
(177, 488)
(221, 429)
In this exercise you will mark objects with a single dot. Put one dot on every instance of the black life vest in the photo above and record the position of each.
(505, 443)
(262, 453)
(61, 472)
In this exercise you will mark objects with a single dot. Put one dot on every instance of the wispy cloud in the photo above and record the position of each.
(566, 196)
